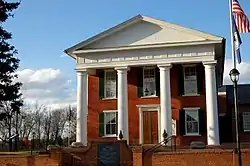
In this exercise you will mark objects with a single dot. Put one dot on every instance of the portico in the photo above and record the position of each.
(115, 50)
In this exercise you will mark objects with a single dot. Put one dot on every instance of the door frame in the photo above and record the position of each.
(148, 107)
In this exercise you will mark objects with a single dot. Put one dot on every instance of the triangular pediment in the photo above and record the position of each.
(140, 31)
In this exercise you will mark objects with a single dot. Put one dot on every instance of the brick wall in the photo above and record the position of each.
(89, 155)
(130, 157)
(189, 158)
(97, 105)
(23, 160)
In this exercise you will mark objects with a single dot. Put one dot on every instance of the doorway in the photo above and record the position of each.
(150, 127)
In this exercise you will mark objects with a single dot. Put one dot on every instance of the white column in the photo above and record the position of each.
(165, 99)
(122, 102)
(141, 125)
(211, 104)
(82, 107)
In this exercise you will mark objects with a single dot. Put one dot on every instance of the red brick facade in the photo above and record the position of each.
(97, 105)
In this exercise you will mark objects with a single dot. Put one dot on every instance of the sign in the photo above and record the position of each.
(108, 154)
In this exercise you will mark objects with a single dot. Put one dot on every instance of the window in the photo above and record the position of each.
(190, 80)
(149, 88)
(192, 122)
(110, 84)
(246, 121)
(110, 123)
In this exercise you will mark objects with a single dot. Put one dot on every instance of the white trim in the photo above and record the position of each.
(109, 111)
(222, 93)
(191, 94)
(192, 109)
(142, 62)
(150, 107)
(153, 96)
(139, 47)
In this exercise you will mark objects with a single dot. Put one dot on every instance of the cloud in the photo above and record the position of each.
(243, 68)
(47, 86)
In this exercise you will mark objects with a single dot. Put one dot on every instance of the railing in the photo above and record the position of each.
(163, 143)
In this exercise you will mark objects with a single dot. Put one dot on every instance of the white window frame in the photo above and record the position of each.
(109, 111)
(246, 117)
(184, 79)
(192, 109)
(153, 68)
(105, 95)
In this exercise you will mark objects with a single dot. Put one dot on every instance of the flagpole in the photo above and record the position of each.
(231, 33)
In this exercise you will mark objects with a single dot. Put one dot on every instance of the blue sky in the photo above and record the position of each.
(42, 29)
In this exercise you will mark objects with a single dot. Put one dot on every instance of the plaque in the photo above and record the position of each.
(108, 155)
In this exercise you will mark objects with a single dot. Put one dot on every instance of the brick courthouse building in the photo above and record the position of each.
(145, 76)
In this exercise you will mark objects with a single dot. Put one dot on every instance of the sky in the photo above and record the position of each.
(43, 29)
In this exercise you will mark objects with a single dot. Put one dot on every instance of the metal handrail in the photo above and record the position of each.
(160, 144)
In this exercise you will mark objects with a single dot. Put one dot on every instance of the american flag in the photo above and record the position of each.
(241, 19)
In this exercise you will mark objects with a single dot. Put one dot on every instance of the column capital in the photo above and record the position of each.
(82, 71)
(164, 66)
(126, 68)
(210, 63)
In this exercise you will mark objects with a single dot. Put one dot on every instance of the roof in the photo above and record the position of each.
(243, 93)
(136, 19)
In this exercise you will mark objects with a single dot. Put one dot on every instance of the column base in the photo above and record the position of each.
(77, 145)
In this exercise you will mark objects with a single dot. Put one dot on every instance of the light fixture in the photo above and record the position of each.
(234, 75)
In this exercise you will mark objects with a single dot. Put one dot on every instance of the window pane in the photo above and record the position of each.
(192, 127)
(190, 71)
(192, 121)
(110, 84)
(149, 82)
(192, 115)
(190, 80)
(113, 128)
(190, 86)
(108, 129)
(110, 123)
(246, 121)
(107, 118)
(112, 117)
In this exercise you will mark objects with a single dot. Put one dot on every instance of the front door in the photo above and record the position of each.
(150, 127)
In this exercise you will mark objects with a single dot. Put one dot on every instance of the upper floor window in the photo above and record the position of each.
(149, 87)
(110, 84)
(190, 80)
(246, 121)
